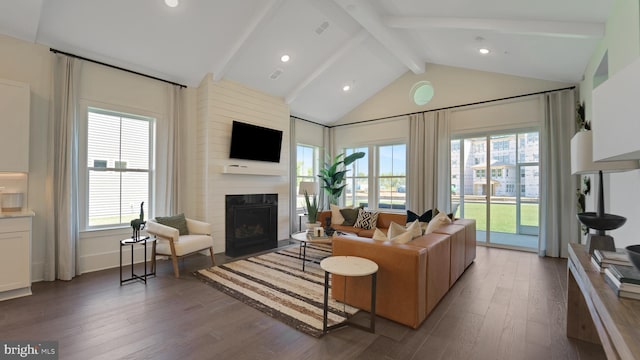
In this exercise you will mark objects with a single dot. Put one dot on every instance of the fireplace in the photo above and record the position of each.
(251, 223)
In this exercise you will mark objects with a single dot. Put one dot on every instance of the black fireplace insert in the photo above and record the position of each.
(251, 223)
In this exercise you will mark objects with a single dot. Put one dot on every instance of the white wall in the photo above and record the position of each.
(31, 63)
(452, 87)
(219, 103)
(522, 112)
(622, 45)
(113, 89)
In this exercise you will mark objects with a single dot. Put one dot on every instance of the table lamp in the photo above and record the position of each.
(582, 163)
(308, 187)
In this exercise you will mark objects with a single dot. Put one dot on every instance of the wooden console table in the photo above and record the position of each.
(595, 313)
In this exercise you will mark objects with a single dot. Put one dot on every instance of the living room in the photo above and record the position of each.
(206, 111)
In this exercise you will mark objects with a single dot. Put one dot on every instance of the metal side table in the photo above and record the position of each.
(143, 242)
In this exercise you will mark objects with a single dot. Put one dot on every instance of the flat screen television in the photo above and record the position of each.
(252, 142)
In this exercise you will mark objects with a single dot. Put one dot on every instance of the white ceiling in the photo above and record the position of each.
(368, 43)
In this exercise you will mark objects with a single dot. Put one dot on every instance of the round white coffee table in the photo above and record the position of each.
(349, 266)
(304, 240)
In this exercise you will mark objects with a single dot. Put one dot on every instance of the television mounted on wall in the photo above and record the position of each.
(252, 142)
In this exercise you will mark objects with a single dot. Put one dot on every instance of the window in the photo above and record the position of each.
(118, 171)
(390, 179)
(392, 176)
(306, 169)
(357, 179)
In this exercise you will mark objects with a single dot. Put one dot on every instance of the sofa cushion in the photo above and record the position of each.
(367, 219)
(437, 222)
(336, 216)
(398, 234)
(177, 222)
(350, 216)
(379, 235)
(425, 217)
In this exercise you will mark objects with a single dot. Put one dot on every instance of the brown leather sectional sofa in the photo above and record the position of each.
(413, 277)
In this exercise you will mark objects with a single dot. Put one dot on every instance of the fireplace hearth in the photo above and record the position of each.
(251, 223)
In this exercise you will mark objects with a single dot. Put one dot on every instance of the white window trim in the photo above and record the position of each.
(83, 169)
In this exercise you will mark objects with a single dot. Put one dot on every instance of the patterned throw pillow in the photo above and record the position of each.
(177, 222)
(367, 219)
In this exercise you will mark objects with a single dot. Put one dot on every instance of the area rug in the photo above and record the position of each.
(275, 284)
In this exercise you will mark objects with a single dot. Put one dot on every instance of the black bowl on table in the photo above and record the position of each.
(634, 255)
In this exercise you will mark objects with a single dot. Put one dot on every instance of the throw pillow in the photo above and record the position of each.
(415, 228)
(395, 230)
(367, 219)
(437, 222)
(336, 216)
(379, 235)
(402, 238)
(425, 217)
(177, 222)
(350, 216)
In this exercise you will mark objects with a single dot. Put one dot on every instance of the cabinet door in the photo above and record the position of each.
(15, 260)
(14, 131)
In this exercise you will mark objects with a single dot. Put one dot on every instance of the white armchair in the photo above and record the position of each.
(169, 242)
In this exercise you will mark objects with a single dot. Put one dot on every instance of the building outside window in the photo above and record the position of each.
(118, 167)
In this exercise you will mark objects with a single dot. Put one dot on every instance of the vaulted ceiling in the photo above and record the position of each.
(364, 43)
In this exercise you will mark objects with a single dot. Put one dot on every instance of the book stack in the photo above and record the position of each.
(602, 259)
(624, 280)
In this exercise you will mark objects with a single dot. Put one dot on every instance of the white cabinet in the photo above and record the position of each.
(15, 256)
(14, 126)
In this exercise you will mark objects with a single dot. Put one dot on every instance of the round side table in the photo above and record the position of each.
(143, 242)
(349, 266)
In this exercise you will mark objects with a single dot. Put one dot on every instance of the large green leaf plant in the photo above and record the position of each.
(333, 175)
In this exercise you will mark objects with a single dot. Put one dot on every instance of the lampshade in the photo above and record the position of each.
(582, 157)
(310, 187)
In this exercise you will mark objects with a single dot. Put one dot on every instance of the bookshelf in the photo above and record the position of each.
(595, 313)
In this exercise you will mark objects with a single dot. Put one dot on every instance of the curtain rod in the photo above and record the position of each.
(114, 67)
(444, 108)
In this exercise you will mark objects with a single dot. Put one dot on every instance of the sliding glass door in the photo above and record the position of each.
(495, 180)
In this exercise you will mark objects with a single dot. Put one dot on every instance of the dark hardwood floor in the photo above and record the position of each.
(507, 305)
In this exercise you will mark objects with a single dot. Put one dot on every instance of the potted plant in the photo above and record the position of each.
(313, 208)
(333, 175)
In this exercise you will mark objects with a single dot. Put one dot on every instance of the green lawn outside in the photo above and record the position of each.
(503, 216)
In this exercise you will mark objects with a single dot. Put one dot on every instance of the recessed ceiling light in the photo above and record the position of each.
(346, 87)
(171, 3)
(484, 51)
(284, 58)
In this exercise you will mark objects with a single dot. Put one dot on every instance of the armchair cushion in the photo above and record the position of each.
(188, 244)
(177, 221)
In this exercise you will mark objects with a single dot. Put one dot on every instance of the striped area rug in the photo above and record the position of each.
(275, 284)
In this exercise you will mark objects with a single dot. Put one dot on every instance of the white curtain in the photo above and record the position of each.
(417, 198)
(429, 177)
(62, 242)
(168, 201)
(293, 151)
(558, 203)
